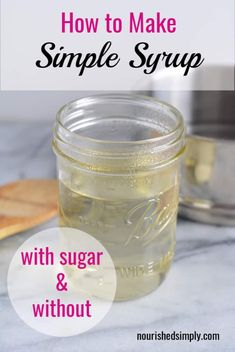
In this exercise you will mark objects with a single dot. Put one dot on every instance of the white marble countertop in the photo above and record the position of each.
(198, 294)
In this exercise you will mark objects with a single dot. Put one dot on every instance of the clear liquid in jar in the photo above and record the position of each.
(134, 223)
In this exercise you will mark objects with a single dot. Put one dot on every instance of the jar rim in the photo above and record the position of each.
(135, 111)
(172, 135)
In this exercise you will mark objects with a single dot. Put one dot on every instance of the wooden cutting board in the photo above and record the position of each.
(25, 204)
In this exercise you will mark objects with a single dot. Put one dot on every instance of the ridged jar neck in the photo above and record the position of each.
(118, 131)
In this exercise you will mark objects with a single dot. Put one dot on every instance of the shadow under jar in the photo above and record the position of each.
(118, 160)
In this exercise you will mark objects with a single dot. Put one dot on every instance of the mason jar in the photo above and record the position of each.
(118, 167)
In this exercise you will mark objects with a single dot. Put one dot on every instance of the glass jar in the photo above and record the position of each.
(118, 160)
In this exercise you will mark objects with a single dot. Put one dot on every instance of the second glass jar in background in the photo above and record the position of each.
(118, 161)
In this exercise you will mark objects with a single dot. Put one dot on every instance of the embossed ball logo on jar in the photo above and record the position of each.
(153, 216)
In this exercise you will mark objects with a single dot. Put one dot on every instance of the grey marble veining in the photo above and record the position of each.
(25, 151)
(198, 294)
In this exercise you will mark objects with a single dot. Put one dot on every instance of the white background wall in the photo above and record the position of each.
(34, 105)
